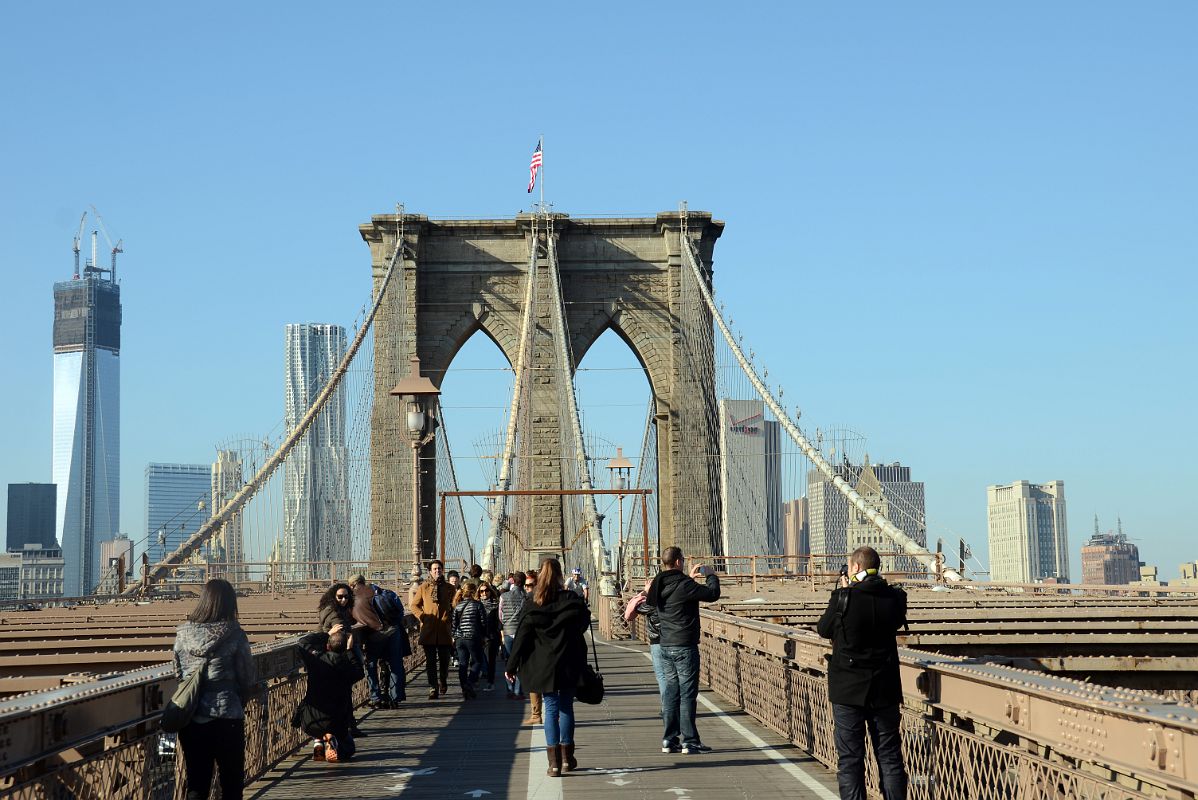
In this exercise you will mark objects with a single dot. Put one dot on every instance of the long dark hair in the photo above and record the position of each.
(218, 603)
(329, 598)
(549, 580)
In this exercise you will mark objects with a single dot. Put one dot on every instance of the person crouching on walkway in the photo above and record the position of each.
(548, 654)
(469, 627)
(327, 710)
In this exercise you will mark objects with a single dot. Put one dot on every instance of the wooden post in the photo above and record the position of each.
(753, 566)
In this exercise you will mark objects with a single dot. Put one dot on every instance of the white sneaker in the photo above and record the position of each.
(489, 687)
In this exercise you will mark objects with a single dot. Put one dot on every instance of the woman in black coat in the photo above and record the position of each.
(548, 654)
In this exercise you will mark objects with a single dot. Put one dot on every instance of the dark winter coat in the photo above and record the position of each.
(364, 608)
(491, 605)
(676, 597)
(469, 620)
(652, 624)
(333, 614)
(549, 650)
(328, 704)
(231, 678)
(862, 621)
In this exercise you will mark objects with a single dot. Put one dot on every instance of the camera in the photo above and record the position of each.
(844, 570)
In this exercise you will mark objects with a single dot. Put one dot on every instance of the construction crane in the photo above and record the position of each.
(75, 245)
(115, 248)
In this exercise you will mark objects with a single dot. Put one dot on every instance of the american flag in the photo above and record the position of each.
(533, 166)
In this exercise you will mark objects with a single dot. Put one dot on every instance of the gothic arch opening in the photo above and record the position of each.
(614, 394)
(476, 389)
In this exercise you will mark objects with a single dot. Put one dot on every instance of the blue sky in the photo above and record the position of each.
(968, 232)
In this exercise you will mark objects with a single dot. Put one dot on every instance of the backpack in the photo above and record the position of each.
(388, 606)
(182, 705)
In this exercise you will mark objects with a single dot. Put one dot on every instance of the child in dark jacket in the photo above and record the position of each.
(326, 711)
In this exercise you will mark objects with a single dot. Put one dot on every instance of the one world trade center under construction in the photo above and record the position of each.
(87, 417)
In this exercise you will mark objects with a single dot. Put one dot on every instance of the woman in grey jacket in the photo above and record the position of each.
(216, 733)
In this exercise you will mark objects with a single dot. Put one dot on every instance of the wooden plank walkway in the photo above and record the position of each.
(451, 748)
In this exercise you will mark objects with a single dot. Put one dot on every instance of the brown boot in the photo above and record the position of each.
(555, 761)
(534, 714)
(569, 763)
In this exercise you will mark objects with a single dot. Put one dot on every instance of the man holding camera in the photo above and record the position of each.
(863, 617)
(676, 598)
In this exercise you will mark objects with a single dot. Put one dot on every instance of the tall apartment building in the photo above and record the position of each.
(1109, 558)
(797, 534)
(750, 481)
(228, 545)
(178, 503)
(835, 532)
(1029, 538)
(31, 508)
(87, 420)
(316, 515)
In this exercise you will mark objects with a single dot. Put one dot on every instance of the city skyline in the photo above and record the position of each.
(1039, 194)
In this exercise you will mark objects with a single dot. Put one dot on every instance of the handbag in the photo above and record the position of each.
(590, 680)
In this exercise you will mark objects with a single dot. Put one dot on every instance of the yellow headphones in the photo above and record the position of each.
(863, 574)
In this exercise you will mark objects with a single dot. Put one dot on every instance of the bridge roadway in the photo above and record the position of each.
(453, 748)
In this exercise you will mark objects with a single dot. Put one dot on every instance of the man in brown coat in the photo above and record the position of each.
(433, 607)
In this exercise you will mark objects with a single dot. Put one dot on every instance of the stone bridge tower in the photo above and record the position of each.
(460, 276)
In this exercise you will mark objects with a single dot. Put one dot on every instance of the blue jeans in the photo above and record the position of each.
(372, 670)
(680, 670)
(884, 727)
(514, 686)
(470, 654)
(390, 649)
(559, 717)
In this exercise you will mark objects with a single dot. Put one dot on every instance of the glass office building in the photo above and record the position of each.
(178, 502)
(31, 515)
(87, 423)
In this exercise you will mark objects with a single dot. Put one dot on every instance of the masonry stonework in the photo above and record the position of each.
(462, 276)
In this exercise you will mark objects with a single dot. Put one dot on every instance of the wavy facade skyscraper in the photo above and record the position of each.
(316, 479)
(87, 422)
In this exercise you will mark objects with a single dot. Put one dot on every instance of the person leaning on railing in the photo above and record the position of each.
(863, 617)
(213, 640)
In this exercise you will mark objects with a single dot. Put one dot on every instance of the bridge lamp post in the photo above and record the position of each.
(416, 391)
(620, 470)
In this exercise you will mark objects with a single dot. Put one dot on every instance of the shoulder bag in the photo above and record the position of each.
(590, 681)
(182, 705)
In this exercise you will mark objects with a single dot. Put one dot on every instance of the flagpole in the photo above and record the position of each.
(541, 146)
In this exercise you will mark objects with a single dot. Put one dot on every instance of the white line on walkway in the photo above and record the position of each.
(540, 785)
(795, 771)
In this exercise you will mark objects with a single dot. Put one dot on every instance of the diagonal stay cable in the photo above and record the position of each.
(206, 531)
(877, 519)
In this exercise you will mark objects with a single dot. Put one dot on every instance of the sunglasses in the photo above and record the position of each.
(342, 597)
(530, 584)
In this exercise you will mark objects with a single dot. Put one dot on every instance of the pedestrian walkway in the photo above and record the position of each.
(451, 748)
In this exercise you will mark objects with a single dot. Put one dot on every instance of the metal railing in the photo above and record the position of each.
(971, 730)
(101, 740)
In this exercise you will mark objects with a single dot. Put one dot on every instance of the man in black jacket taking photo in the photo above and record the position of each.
(676, 598)
(863, 617)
